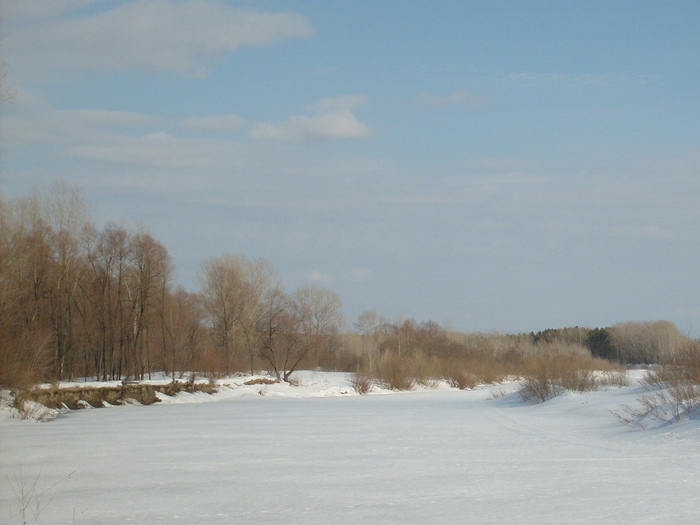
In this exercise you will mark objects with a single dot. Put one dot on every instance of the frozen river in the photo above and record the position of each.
(442, 456)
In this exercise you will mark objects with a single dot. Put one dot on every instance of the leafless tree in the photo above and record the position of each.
(372, 329)
(68, 219)
(318, 318)
(278, 331)
(147, 279)
(233, 288)
(646, 342)
(184, 334)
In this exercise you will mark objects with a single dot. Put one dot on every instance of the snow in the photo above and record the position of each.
(318, 454)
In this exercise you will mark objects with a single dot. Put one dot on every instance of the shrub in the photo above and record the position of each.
(539, 388)
(428, 382)
(618, 378)
(541, 379)
(394, 374)
(550, 375)
(578, 379)
(362, 383)
(463, 381)
(672, 389)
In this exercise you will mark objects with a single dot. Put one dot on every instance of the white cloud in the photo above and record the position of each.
(334, 118)
(151, 35)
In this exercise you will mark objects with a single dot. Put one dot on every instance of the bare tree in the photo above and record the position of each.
(221, 281)
(26, 284)
(147, 280)
(68, 219)
(372, 329)
(278, 332)
(110, 258)
(233, 288)
(260, 281)
(184, 332)
(318, 318)
(295, 328)
(646, 342)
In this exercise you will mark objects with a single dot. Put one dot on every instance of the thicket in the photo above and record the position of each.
(399, 356)
(671, 389)
(77, 301)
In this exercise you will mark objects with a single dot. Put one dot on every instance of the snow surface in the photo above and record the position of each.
(319, 454)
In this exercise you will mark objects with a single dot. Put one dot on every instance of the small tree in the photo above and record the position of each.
(294, 328)
(372, 329)
(278, 337)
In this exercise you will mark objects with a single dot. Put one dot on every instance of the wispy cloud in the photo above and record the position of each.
(156, 150)
(458, 97)
(28, 9)
(586, 79)
(106, 118)
(333, 118)
(319, 277)
(100, 126)
(214, 123)
(151, 35)
(122, 138)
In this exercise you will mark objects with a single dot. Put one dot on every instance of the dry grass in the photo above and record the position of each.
(75, 398)
(261, 381)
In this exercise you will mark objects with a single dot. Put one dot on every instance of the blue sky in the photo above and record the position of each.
(501, 165)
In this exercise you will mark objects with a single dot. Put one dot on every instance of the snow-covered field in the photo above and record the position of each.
(319, 454)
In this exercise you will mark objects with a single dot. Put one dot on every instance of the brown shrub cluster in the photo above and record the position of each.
(672, 389)
(427, 355)
(564, 368)
(261, 381)
(362, 383)
(75, 398)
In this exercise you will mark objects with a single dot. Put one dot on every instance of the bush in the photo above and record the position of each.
(463, 381)
(550, 375)
(672, 390)
(539, 388)
(362, 383)
(395, 374)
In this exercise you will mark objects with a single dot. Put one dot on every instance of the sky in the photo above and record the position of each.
(493, 166)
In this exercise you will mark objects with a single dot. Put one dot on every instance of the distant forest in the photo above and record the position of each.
(76, 301)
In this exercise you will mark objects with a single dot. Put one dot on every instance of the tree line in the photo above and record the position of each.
(78, 301)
